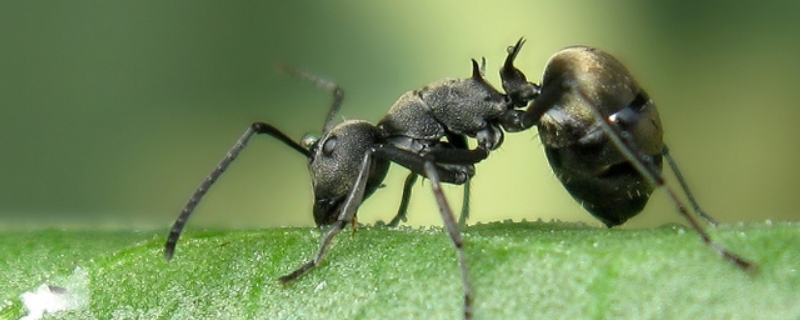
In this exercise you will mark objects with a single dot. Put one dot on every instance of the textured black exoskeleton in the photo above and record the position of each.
(426, 131)
(603, 138)
(601, 133)
(584, 159)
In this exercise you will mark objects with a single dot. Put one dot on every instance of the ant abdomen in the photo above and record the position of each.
(586, 162)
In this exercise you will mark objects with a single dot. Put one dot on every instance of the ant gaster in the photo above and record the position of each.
(603, 138)
(585, 159)
(599, 130)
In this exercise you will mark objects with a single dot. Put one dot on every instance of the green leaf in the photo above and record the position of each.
(518, 271)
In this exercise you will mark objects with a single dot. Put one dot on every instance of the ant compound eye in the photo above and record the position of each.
(309, 140)
(329, 145)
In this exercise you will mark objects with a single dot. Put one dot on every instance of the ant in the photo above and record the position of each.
(601, 133)
(425, 131)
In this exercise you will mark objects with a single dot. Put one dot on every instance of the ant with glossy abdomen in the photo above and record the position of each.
(601, 133)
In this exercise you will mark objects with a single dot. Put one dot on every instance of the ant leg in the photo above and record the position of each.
(645, 166)
(462, 219)
(255, 128)
(460, 142)
(437, 174)
(427, 166)
(348, 212)
(418, 165)
(460, 155)
(337, 227)
(354, 198)
(455, 235)
(403, 210)
(336, 90)
(685, 187)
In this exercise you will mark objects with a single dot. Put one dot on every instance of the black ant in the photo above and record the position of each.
(601, 132)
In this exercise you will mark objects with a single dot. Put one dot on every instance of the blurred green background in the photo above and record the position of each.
(111, 113)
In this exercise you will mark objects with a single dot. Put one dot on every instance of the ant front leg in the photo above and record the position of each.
(419, 165)
(350, 204)
(348, 212)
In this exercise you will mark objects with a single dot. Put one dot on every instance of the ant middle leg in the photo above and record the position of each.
(402, 211)
(459, 142)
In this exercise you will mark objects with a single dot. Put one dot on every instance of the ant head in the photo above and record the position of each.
(335, 163)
